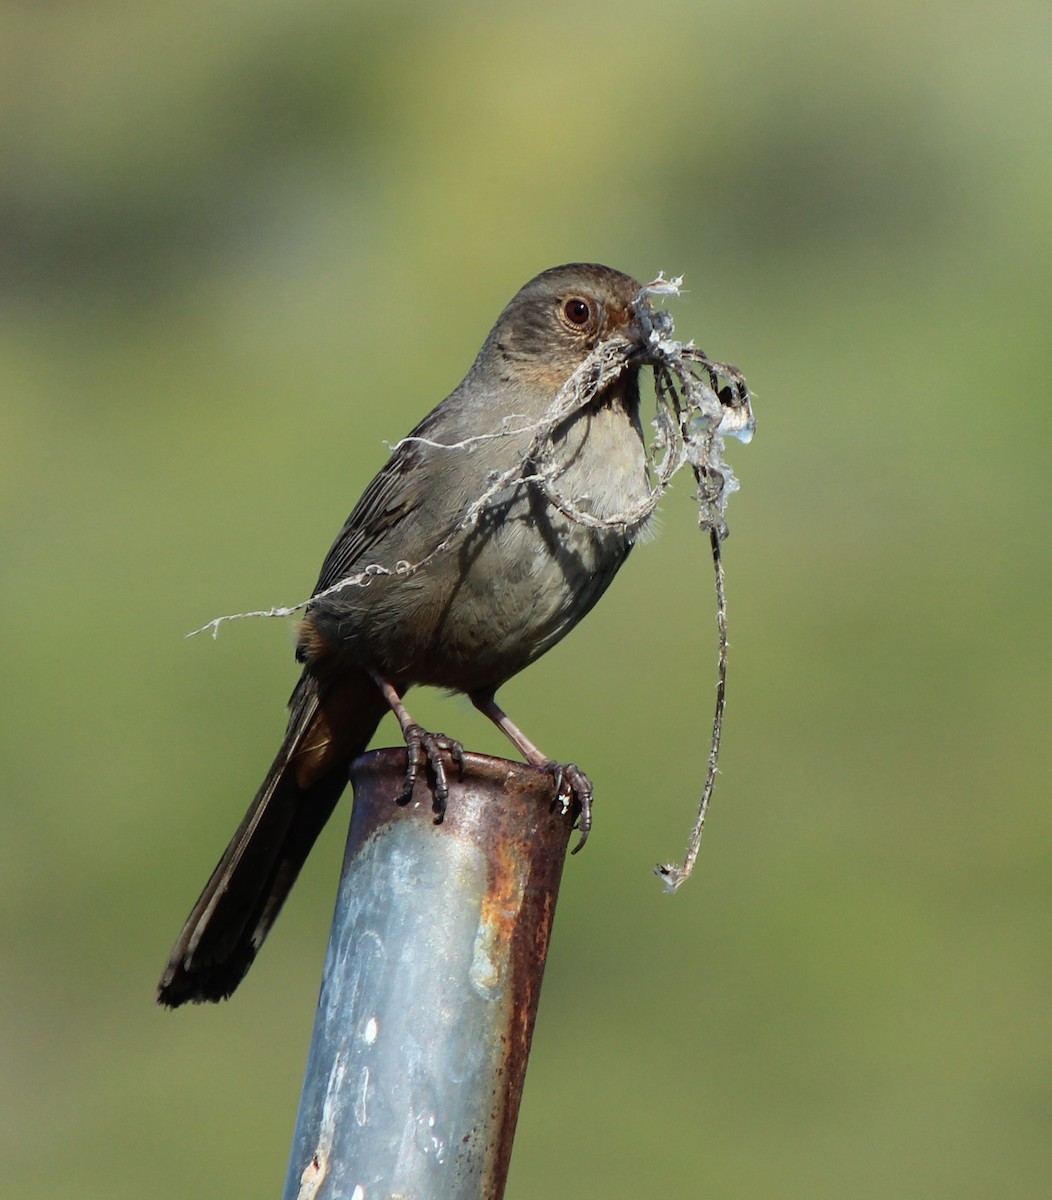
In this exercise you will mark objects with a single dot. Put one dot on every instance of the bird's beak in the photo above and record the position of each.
(635, 329)
(634, 332)
(641, 322)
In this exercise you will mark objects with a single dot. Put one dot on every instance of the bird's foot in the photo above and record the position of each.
(424, 749)
(573, 789)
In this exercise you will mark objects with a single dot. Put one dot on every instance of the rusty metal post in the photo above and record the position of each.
(431, 983)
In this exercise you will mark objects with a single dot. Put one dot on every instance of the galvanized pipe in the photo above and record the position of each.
(430, 988)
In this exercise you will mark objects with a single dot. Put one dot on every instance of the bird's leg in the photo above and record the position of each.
(569, 779)
(421, 747)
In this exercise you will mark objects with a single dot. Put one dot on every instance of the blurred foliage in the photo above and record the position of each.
(241, 246)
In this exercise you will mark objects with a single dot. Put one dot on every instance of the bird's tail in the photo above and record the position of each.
(226, 928)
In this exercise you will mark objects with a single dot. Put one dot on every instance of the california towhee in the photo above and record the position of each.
(507, 588)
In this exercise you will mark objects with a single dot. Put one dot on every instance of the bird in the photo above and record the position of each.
(411, 593)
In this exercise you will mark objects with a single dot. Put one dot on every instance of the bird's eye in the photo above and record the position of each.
(577, 311)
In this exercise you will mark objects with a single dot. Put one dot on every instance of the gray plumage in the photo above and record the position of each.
(504, 591)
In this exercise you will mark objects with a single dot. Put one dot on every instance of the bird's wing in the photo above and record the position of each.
(400, 487)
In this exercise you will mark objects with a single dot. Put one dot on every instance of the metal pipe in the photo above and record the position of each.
(430, 988)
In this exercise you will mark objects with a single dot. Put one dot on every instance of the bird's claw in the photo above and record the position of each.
(426, 749)
(574, 789)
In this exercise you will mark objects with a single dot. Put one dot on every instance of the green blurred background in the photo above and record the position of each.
(241, 246)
